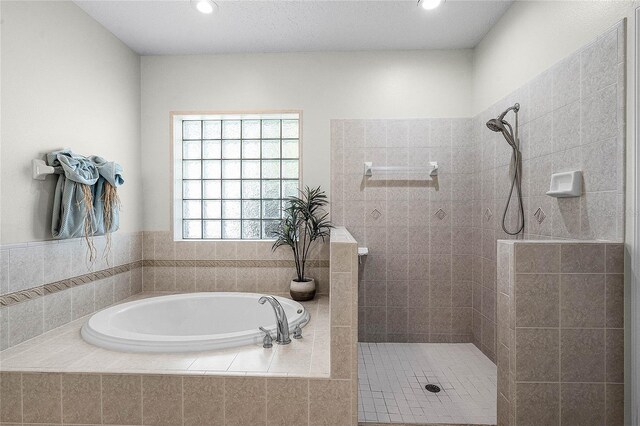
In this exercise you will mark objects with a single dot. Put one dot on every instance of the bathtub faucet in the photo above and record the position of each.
(282, 337)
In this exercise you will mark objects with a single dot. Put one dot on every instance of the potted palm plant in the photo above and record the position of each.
(304, 222)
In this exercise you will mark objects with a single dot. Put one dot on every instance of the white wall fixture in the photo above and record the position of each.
(362, 252)
(430, 4)
(566, 184)
(204, 6)
(369, 169)
(40, 170)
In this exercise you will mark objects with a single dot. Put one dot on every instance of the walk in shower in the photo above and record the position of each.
(417, 322)
(428, 302)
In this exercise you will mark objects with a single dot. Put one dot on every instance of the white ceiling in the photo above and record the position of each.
(174, 27)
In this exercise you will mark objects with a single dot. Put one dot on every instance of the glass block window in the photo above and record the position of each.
(236, 172)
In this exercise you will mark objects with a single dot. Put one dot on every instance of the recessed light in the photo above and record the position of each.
(204, 6)
(430, 4)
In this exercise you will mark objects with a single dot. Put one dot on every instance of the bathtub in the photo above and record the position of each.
(188, 322)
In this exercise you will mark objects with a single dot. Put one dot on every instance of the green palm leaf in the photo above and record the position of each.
(305, 221)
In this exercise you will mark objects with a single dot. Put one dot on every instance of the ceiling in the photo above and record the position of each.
(161, 27)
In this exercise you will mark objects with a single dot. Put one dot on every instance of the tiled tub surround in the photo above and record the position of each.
(416, 281)
(560, 333)
(197, 398)
(248, 266)
(572, 117)
(45, 285)
(64, 350)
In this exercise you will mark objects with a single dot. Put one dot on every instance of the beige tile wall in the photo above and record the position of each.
(416, 281)
(434, 279)
(64, 398)
(88, 399)
(28, 266)
(560, 333)
(159, 246)
(572, 117)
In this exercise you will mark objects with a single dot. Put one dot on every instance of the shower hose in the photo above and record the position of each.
(516, 182)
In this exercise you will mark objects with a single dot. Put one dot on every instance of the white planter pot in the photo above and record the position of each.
(303, 290)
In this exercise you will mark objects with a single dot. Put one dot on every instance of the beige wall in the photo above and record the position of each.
(67, 82)
(322, 85)
(532, 36)
(415, 283)
(560, 335)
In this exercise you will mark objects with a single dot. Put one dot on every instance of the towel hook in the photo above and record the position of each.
(40, 170)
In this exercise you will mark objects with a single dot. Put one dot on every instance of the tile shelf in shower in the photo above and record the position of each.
(369, 169)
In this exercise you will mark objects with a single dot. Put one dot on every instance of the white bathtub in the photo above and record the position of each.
(188, 322)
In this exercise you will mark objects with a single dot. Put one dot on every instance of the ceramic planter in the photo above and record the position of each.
(303, 290)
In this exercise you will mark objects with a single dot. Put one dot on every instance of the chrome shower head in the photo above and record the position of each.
(500, 125)
(495, 125)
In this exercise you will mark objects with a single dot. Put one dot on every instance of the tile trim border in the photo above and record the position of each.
(233, 263)
(54, 287)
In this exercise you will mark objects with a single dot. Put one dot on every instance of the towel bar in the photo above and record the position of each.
(369, 169)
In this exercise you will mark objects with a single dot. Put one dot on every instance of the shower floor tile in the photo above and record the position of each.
(392, 379)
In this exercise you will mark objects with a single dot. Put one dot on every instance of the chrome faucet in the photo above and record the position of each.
(282, 336)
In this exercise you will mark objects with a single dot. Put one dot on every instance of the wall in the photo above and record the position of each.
(571, 118)
(322, 85)
(518, 48)
(415, 284)
(47, 284)
(560, 333)
(67, 82)
(250, 266)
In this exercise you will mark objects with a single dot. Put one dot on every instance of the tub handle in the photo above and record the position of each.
(297, 332)
(267, 342)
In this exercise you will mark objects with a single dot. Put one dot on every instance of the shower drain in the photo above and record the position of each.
(432, 388)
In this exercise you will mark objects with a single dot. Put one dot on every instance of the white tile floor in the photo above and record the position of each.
(392, 376)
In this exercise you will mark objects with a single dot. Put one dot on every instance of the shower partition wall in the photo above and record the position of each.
(572, 117)
(415, 284)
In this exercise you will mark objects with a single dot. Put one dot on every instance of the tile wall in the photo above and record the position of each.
(431, 272)
(560, 333)
(120, 399)
(572, 117)
(415, 284)
(249, 266)
(55, 284)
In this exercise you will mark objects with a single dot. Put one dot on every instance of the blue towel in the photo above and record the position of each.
(69, 209)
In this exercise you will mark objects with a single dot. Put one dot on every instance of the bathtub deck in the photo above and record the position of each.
(64, 350)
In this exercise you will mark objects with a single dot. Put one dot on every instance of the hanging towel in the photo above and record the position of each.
(110, 173)
(69, 208)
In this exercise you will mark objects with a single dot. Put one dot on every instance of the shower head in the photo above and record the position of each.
(500, 125)
(495, 125)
